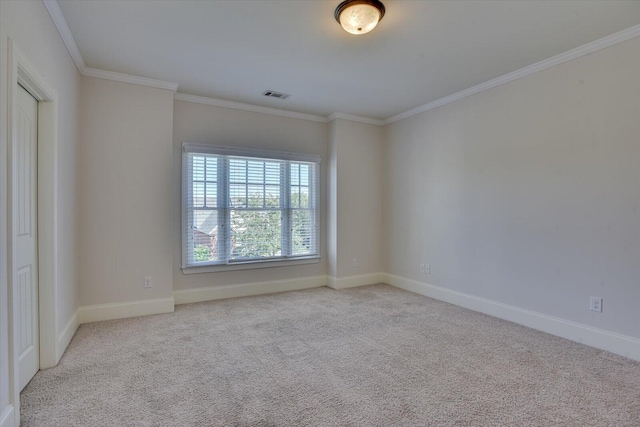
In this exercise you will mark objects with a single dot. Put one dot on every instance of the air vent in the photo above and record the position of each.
(274, 94)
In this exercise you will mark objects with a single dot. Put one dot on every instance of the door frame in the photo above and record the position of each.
(22, 71)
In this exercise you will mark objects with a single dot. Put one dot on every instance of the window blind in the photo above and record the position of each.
(248, 206)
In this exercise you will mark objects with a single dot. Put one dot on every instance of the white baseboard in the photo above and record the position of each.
(354, 281)
(67, 333)
(96, 313)
(188, 296)
(8, 418)
(605, 340)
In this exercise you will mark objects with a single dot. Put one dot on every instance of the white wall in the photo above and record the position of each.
(223, 126)
(527, 193)
(28, 24)
(356, 201)
(125, 191)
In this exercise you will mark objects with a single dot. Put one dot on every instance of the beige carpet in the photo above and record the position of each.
(372, 356)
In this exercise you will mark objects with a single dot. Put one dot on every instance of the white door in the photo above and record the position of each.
(25, 209)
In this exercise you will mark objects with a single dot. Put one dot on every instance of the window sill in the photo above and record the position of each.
(250, 265)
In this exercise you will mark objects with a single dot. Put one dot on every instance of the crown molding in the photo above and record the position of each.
(248, 107)
(569, 55)
(128, 78)
(61, 24)
(354, 118)
(273, 111)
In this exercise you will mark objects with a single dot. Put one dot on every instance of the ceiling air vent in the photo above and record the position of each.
(274, 94)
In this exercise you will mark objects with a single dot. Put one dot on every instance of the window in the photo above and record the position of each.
(245, 206)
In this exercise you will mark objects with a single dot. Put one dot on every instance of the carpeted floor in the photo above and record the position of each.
(371, 356)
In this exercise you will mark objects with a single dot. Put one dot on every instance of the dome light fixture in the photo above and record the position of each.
(359, 16)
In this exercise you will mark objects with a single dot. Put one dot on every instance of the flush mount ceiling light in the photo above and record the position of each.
(359, 16)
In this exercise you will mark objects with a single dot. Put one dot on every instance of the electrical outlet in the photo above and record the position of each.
(427, 269)
(595, 304)
(147, 282)
(423, 268)
(354, 263)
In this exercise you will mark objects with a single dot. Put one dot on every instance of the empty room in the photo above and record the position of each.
(319, 213)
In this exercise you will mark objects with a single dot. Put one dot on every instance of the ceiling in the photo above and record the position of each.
(421, 51)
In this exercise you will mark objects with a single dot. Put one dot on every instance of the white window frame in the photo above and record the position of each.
(214, 266)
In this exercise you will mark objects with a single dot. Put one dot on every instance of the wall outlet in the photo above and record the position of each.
(354, 263)
(425, 268)
(595, 304)
(147, 282)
